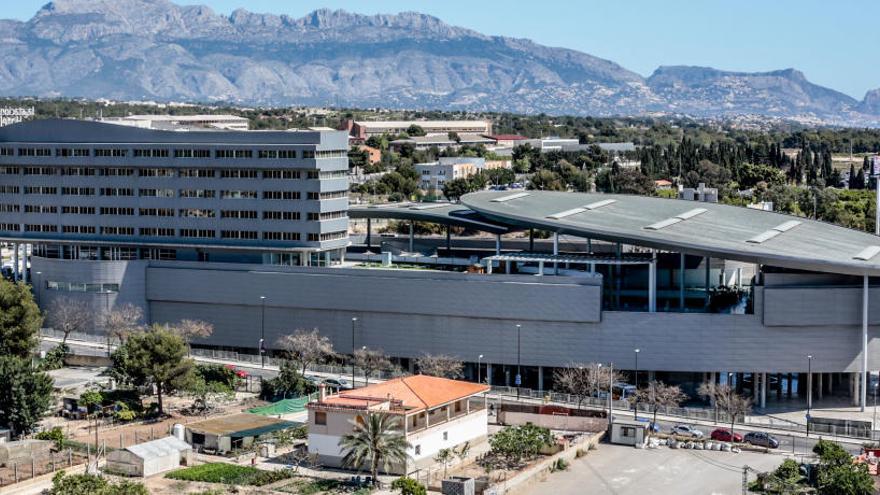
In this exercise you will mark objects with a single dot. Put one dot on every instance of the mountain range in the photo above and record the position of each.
(157, 50)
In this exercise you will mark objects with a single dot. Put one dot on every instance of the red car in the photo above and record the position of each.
(723, 435)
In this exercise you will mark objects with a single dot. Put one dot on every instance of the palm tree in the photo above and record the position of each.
(378, 440)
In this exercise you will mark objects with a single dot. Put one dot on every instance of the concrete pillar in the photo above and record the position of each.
(755, 389)
(778, 386)
(449, 240)
(763, 390)
(369, 232)
(541, 268)
(531, 240)
(706, 296)
(790, 385)
(15, 262)
(809, 388)
(555, 252)
(819, 388)
(497, 244)
(652, 283)
(540, 378)
(507, 267)
(854, 388)
(489, 373)
(830, 382)
(863, 391)
(681, 265)
(412, 236)
(589, 245)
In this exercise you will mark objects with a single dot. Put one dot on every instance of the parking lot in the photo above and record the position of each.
(621, 470)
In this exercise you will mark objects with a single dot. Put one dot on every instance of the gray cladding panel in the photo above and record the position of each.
(382, 291)
(816, 306)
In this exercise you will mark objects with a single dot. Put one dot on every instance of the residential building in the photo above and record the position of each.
(434, 175)
(507, 140)
(432, 413)
(699, 193)
(442, 141)
(364, 129)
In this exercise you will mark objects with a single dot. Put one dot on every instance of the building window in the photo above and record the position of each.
(281, 236)
(77, 191)
(9, 170)
(328, 195)
(308, 154)
(34, 152)
(238, 194)
(329, 236)
(9, 227)
(196, 213)
(239, 174)
(40, 209)
(117, 172)
(40, 228)
(81, 287)
(117, 230)
(114, 210)
(10, 208)
(81, 171)
(627, 432)
(320, 418)
(281, 174)
(328, 215)
(197, 233)
(78, 229)
(156, 172)
(192, 153)
(238, 234)
(234, 154)
(67, 152)
(40, 190)
(150, 153)
(108, 153)
(197, 193)
(39, 171)
(78, 210)
(281, 215)
(9, 189)
(7, 152)
(156, 212)
(155, 232)
(156, 193)
(284, 195)
(250, 214)
(117, 191)
(197, 172)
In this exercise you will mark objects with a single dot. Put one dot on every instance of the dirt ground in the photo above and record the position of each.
(41, 465)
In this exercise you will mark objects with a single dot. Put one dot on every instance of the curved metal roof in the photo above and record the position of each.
(707, 229)
(442, 213)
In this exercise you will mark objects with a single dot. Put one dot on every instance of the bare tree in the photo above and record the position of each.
(190, 329)
(658, 394)
(585, 380)
(69, 315)
(440, 365)
(306, 347)
(371, 360)
(123, 321)
(727, 401)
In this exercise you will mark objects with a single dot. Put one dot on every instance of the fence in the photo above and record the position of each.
(25, 469)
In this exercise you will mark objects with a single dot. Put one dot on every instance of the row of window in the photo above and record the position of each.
(169, 212)
(81, 287)
(177, 153)
(169, 193)
(170, 232)
(171, 172)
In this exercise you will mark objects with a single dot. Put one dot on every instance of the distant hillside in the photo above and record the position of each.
(154, 49)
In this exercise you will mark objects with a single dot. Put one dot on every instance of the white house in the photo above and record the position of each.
(433, 413)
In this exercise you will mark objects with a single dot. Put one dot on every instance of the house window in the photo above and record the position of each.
(320, 418)
(627, 432)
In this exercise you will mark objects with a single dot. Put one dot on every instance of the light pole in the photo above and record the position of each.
(39, 287)
(636, 401)
(809, 389)
(479, 363)
(353, 322)
(598, 372)
(518, 380)
(262, 331)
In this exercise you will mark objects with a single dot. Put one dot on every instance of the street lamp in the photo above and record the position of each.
(598, 371)
(809, 389)
(479, 363)
(636, 401)
(353, 322)
(518, 381)
(262, 331)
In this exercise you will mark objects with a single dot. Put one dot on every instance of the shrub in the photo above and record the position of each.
(515, 443)
(408, 486)
(55, 357)
(56, 435)
(230, 474)
(89, 484)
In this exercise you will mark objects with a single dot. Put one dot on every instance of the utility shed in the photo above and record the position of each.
(229, 433)
(629, 432)
(149, 458)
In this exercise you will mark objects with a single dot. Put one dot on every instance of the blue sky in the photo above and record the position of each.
(833, 43)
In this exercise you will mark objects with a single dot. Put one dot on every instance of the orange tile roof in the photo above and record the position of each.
(415, 393)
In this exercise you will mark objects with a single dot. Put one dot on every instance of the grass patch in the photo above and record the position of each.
(229, 474)
(312, 487)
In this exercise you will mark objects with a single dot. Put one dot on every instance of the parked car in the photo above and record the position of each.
(762, 439)
(337, 383)
(687, 431)
(723, 435)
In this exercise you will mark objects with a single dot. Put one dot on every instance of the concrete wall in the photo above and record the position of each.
(812, 306)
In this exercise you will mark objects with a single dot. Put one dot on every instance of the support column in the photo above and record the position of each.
(540, 378)
(755, 390)
(790, 385)
(763, 390)
(369, 232)
(412, 236)
(863, 393)
(706, 296)
(497, 244)
(15, 262)
(531, 240)
(489, 373)
(555, 252)
(819, 387)
(589, 245)
(854, 388)
(778, 386)
(449, 240)
(652, 283)
(809, 388)
(681, 281)
(830, 381)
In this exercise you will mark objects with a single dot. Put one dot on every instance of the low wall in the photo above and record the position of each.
(553, 421)
(87, 361)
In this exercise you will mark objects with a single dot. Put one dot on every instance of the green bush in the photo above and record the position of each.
(408, 486)
(230, 474)
(89, 484)
(55, 357)
(56, 435)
